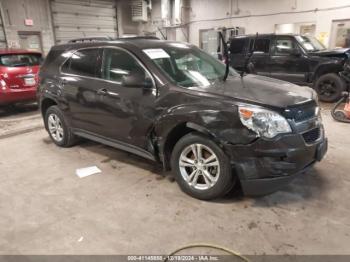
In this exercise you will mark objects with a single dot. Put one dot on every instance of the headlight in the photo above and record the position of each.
(263, 122)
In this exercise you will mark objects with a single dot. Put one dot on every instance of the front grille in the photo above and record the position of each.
(301, 113)
(312, 135)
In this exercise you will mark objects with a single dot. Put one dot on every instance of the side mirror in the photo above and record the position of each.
(137, 78)
(296, 52)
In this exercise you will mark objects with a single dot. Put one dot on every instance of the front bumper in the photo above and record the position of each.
(9, 96)
(265, 166)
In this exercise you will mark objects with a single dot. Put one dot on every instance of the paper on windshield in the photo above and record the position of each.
(308, 46)
(156, 53)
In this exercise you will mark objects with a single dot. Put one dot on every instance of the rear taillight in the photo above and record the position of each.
(2, 84)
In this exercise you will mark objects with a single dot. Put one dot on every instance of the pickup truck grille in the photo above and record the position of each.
(301, 113)
(312, 135)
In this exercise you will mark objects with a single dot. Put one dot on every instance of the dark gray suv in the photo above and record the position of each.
(298, 59)
(171, 103)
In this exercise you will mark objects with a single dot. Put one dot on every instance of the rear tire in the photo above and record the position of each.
(329, 87)
(201, 167)
(58, 129)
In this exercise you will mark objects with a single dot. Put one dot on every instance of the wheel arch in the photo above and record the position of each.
(326, 69)
(45, 104)
(174, 135)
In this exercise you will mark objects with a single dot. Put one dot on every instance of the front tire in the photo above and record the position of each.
(201, 168)
(329, 87)
(57, 127)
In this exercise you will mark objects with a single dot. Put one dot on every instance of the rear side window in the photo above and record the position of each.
(261, 45)
(18, 60)
(237, 45)
(82, 62)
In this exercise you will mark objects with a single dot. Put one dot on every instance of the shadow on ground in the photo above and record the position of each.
(311, 185)
(18, 110)
(306, 186)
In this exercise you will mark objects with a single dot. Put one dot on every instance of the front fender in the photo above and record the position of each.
(221, 123)
(328, 67)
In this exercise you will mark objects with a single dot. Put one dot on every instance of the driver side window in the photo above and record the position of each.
(118, 64)
(285, 46)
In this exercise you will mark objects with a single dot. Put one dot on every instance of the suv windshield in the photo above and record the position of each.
(17, 60)
(310, 43)
(187, 66)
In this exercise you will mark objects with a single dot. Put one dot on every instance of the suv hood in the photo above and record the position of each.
(261, 90)
(338, 52)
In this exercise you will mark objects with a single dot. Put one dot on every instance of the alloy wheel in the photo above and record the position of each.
(327, 88)
(55, 127)
(199, 166)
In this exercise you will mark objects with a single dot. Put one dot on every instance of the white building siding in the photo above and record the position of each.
(222, 10)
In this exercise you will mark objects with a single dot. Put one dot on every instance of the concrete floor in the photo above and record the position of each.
(132, 209)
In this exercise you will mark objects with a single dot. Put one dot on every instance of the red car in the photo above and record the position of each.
(18, 75)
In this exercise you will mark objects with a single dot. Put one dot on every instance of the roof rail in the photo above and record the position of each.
(140, 37)
(91, 39)
(107, 38)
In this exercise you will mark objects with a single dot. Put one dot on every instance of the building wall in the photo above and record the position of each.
(16, 11)
(157, 22)
(83, 18)
(206, 14)
(3, 43)
(125, 25)
(254, 15)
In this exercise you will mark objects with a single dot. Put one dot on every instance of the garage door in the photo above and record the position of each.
(83, 18)
(2, 35)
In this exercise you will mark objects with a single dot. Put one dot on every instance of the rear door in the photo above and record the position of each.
(288, 62)
(79, 83)
(261, 55)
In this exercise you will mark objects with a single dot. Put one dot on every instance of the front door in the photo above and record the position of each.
(128, 111)
(288, 62)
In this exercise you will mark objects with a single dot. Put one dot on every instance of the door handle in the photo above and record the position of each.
(102, 92)
(105, 92)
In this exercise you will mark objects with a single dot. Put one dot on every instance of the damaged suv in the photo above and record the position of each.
(174, 104)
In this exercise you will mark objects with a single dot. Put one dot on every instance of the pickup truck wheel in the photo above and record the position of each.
(57, 128)
(201, 168)
(329, 87)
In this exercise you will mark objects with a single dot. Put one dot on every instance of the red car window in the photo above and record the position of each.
(18, 60)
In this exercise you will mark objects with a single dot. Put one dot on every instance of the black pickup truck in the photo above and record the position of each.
(298, 59)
